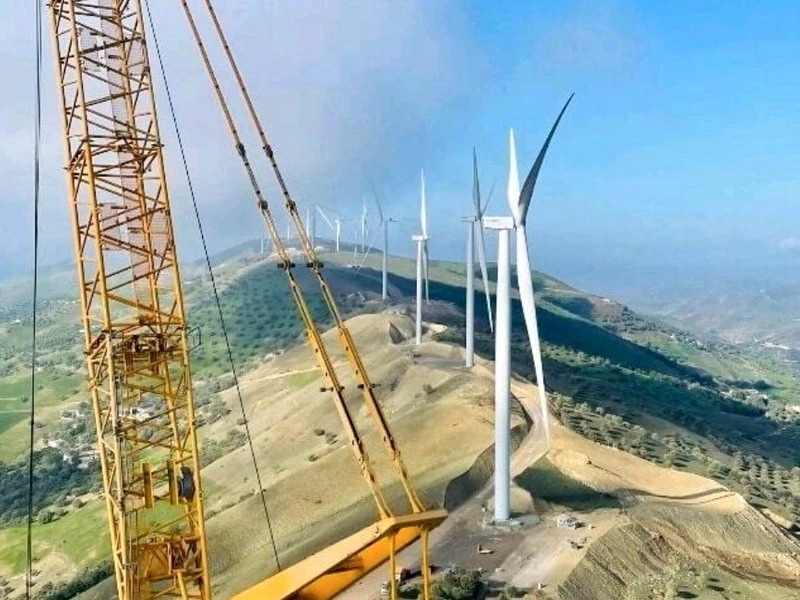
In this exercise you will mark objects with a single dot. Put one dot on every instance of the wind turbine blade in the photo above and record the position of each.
(325, 217)
(530, 180)
(513, 177)
(525, 283)
(476, 186)
(484, 273)
(377, 203)
(476, 200)
(365, 256)
(425, 269)
(489, 198)
(363, 225)
(423, 213)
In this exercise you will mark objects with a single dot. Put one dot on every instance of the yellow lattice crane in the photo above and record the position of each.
(135, 326)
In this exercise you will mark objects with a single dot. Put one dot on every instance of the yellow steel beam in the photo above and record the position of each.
(323, 575)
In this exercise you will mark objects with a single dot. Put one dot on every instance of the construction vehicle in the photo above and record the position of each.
(135, 327)
(401, 575)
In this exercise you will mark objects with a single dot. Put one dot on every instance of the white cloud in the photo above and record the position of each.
(592, 36)
(791, 243)
(343, 88)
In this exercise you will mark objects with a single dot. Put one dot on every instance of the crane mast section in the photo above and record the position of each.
(132, 309)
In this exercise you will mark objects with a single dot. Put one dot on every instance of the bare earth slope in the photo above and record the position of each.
(677, 526)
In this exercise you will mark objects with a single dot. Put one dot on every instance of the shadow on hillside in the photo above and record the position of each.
(698, 498)
(576, 333)
(546, 482)
(729, 424)
(577, 305)
(622, 373)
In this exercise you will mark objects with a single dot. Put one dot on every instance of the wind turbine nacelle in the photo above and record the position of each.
(418, 238)
(498, 222)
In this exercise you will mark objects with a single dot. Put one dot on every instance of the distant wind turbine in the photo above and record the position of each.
(384, 223)
(364, 226)
(475, 219)
(422, 259)
(308, 225)
(519, 201)
(335, 229)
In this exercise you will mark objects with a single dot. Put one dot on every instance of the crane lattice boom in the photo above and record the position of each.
(132, 307)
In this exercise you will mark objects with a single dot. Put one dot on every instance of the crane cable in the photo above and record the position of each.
(315, 337)
(345, 337)
(36, 160)
(213, 280)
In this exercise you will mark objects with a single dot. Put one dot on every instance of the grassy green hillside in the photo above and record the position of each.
(616, 377)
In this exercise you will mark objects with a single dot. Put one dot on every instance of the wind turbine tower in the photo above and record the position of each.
(519, 201)
(422, 260)
(311, 224)
(384, 223)
(363, 222)
(476, 219)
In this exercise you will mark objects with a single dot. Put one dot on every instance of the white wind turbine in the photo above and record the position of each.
(363, 224)
(336, 226)
(422, 259)
(519, 201)
(309, 229)
(384, 223)
(475, 219)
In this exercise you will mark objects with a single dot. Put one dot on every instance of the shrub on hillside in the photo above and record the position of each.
(458, 584)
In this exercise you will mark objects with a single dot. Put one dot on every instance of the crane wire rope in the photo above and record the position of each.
(36, 177)
(224, 328)
(345, 337)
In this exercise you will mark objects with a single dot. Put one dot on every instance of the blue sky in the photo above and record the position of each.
(682, 141)
(679, 149)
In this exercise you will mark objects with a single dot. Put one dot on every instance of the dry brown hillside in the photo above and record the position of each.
(678, 535)
(440, 414)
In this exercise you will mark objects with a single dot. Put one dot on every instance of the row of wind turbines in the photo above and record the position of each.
(314, 210)
(519, 200)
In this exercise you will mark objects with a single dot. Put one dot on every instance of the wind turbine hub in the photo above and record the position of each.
(498, 222)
